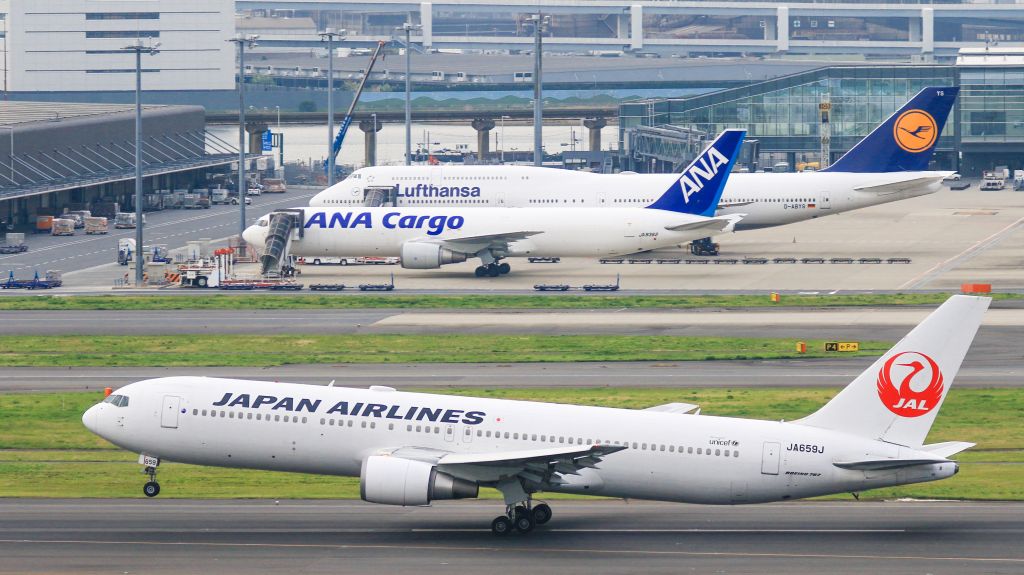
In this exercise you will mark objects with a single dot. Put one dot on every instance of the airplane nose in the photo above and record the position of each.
(251, 235)
(89, 419)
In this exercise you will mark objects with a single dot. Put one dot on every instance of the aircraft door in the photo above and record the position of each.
(601, 198)
(169, 415)
(826, 201)
(449, 433)
(770, 458)
(467, 434)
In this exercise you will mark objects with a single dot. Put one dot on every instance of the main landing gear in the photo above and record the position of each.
(493, 270)
(151, 488)
(522, 517)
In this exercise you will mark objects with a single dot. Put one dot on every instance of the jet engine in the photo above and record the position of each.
(428, 256)
(399, 481)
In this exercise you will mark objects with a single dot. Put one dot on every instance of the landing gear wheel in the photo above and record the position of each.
(480, 271)
(542, 514)
(501, 525)
(520, 510)
(201, 281)
(492, 271)
(151, 489)
(524, 523)
(504, 269)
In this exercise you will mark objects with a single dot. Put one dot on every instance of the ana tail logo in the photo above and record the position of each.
(905, 400)
(915, 131)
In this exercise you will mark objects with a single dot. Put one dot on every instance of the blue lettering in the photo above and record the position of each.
(473, 417)
(319, 219)
(223, 400)
(240, 401)
(340, 220)
(286, 404)
(364, 220)
(455, 222)
(310, 406)
(341, 408)
(387, 220)
(263, 400)
(451, 416)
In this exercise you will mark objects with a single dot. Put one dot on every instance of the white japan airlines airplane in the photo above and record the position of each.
(414, 448)
(427, 238)
(889, 164)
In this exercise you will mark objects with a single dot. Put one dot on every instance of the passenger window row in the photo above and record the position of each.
(436, 430)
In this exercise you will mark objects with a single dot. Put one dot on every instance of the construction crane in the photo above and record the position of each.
(351, 109)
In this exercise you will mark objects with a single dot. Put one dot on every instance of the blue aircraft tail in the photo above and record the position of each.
(906, 141)
(700, 185)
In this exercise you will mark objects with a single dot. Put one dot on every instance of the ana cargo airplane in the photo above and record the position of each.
(889, 164)
(428, 238)
(414, 448)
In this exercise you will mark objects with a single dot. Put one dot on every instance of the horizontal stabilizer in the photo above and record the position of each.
(904, 185)
(716, 224)
(947, 448)
(683, 408)
(880, 464)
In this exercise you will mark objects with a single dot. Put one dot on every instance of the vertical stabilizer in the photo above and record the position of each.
(906, 141)
(897, 398)
(699, 187)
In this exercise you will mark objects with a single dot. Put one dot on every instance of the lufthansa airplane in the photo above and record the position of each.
(430, 237)
(889, 164)
(415, 448)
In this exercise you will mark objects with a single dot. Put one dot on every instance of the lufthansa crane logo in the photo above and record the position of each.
(915, 131)
(920, 384)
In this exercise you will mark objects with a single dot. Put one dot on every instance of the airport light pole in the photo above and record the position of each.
(408, 27)
(539, 24)
(329, 35)
(138, 48)
(242, 41)
(502, 147)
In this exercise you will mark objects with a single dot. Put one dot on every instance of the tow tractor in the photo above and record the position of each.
(704, 247)
(203, 273)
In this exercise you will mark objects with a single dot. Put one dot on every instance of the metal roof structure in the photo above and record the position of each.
(51, 147)
(17, 113)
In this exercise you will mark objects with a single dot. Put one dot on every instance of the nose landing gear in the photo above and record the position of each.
(151, 488)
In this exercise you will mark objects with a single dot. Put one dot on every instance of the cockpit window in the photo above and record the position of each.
(262, 222)
(117, 400)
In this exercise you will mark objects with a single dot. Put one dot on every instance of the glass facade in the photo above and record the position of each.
(985, 129)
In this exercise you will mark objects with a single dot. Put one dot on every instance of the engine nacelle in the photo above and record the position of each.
(427, 256)
(399, 481)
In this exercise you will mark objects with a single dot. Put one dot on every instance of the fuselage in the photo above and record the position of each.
(329, 430)
(581, 232)
(765, 199)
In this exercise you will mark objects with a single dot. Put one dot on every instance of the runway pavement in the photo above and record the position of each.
(584, 537)
(748, 373)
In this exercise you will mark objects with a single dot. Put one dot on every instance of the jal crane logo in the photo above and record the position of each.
(920, 387)
(915, 131)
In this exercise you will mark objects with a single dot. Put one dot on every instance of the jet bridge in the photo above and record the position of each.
(280, 235)
(375, 196)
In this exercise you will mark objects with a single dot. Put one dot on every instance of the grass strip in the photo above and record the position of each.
(46, 452)
(208, 300)
(275, 350)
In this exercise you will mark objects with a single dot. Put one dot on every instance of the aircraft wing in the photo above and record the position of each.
(682, 408)
(901, 186)
(539, 467)
(716, 224)
(473, 244)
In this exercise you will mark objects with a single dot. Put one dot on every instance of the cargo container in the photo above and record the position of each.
(95, 225)
(126, 221)
(220, 196)
(274, 186)
(44, 224)
(63, 227)
(78, 216)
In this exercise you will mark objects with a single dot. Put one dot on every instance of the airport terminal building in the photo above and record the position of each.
(784, 116)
